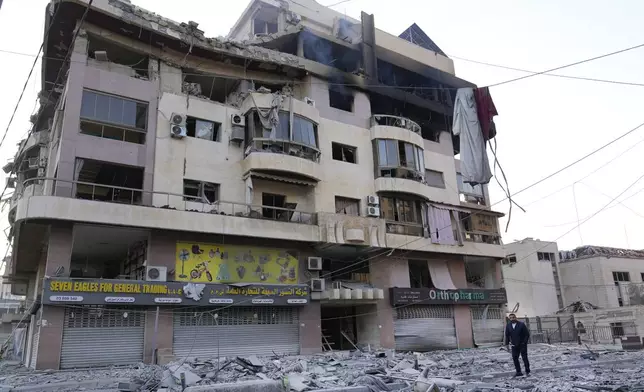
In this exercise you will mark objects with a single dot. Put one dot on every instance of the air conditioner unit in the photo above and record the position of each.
(178, 119)
(178, 132)
(237, 135)
(315, 263)
(309, 101)
(238, 120)
(317, 285)
(373, 211)
(373, 200)
(156, 273)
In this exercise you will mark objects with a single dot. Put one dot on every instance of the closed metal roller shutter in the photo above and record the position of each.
(423, 328)
(34, 347)
(488, 325)
(98, 336)
(236, 331)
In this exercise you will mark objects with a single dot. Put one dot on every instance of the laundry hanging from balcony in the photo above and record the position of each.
(475, 167)
(440, 226)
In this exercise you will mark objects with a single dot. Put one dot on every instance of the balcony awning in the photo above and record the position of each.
(273, 177)
(467, 210)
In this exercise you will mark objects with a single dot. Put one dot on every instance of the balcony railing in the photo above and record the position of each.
(405, 228)
(285, 147)
(395, 121)
(167, 200)
(483, 237)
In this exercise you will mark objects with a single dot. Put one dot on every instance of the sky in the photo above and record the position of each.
(544, 122)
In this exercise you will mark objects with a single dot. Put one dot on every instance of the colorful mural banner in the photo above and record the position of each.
(206, 263)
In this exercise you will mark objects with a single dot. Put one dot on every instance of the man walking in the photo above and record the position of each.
(517, 336)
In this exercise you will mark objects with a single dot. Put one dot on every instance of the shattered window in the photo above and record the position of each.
(203, 129)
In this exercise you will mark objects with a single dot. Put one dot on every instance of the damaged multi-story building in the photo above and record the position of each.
(291, 188)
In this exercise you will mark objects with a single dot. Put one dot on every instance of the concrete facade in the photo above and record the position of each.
(530, 280)
(49, 210)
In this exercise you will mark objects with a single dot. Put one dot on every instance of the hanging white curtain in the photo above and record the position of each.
(441, 277)
(440, 224)
(249, 193)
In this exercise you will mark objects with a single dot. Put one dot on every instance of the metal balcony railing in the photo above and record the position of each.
(165, 200)
(395, 121)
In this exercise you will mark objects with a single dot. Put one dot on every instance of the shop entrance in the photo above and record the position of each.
(339, 328)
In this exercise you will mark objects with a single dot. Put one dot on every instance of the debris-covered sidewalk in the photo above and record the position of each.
(555, 368)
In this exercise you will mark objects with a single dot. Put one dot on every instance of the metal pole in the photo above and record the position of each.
(154, 337)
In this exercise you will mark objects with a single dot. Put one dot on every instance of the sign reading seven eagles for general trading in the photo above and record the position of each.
(106, 292)
(427, 296)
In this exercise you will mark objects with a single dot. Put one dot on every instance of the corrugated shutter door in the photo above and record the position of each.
(488, 325)
(236, 331)
(95, 336)
(423, 328)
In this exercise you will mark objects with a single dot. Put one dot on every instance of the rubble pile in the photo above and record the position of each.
(467, 370)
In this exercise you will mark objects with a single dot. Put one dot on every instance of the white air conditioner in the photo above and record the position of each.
(237, 135)
(178, 119)
(317, 285)
(309, 101)
(178, 132)
(156, 273)
(315, 263)
(373, 211)
(238, 120)
(373, 200)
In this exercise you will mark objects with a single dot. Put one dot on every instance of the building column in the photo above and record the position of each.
(462, 313)
(387, 272)
(59, 254)
(311, 329)
(158, 335)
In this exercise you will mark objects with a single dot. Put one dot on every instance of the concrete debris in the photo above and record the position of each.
(555, 368)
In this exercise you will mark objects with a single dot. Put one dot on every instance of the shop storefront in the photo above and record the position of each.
(236, 331)
(424, 318)
(105, 320)
(95, 336)
(488, 324)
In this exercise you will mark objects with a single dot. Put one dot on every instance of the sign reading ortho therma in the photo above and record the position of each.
(427, 296)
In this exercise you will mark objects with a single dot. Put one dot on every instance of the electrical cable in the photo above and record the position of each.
(567, 65)
(548, 74)
(24, 88)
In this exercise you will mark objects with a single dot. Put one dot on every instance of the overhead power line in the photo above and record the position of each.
(549, 74)
(567, 65)
(24, 87)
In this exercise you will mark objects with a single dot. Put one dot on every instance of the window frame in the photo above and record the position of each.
(342, 147)
(391, 149)
(253, 123)
(350, 202)
(198, 185)
(216, 129)
(97, 119)
(398, 208)
(442, 176)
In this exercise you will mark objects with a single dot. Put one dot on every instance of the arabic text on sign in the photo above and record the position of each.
(120, 300)
(220, 300)
(167, 300)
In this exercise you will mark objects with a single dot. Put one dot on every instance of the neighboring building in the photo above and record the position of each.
(531, 277)
(266, 195)
(605, 277)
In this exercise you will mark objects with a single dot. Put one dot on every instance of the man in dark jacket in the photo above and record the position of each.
(517, 336)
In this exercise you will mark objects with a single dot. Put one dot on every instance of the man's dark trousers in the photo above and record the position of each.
(522, 350)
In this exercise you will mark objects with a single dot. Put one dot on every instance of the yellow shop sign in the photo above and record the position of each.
(199, 262)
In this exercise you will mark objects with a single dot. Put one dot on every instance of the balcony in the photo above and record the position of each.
(384, 126)
(405, 228)
(109, 204)
(342, 229)
(282, 157)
